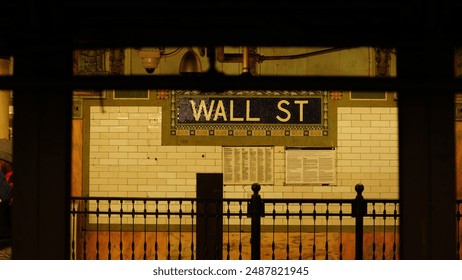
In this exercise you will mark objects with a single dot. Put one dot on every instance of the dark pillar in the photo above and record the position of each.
(41, 129)
(427, 155)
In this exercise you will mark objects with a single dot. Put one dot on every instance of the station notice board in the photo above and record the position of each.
(311, 166)
(248, 165)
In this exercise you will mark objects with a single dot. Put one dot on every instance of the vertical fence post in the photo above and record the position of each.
(359, 210)
(255, 210)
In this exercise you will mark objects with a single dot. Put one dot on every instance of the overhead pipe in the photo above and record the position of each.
(230, 57)
(254, 57)
(248, 58)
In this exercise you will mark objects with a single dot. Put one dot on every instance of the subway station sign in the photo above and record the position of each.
(249, 117)
(299, 110)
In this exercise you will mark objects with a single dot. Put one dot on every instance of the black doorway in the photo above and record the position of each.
(209, 226)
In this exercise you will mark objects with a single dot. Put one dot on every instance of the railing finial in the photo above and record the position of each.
(359, 188)
(256, 188)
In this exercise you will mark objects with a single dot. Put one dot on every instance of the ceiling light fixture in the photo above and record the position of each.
(190, 63)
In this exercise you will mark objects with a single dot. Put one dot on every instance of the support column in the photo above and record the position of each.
(42, 132)
(42, 147)
(427, 155)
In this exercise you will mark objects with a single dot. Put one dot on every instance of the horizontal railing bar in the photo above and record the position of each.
(306, 200)
(292, 215)
(236, 228)
(176, 199)
(266, 200)
(152, 214)
(195, 214)
(382, 216)
(381, 201)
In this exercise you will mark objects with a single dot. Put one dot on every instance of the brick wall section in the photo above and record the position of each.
(367, 151)
(127, 158)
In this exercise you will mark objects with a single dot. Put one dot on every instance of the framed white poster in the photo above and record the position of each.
(311, 166)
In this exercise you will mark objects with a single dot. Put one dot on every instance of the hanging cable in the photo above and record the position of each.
(262, 58)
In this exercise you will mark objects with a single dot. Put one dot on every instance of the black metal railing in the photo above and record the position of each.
(331, 220)
(235, 228)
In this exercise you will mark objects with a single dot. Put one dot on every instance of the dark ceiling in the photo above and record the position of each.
(102, 23)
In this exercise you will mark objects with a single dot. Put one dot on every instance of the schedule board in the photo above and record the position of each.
(248, 165)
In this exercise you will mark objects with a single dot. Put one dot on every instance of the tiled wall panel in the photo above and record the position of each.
(127, 158)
